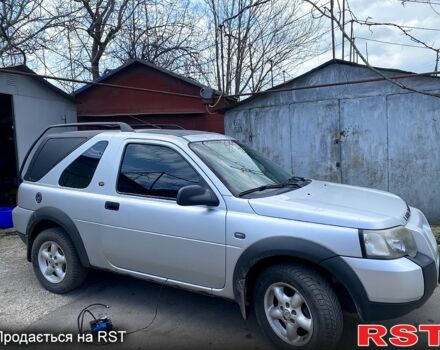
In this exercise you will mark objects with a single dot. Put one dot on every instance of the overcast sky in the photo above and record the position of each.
(387, 55)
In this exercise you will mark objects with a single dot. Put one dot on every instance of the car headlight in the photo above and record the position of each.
(391, 243)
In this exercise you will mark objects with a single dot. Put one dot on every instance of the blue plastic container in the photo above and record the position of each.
(6, 218)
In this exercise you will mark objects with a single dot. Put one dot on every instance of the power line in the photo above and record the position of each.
(368, 65)
(306, 87)
(308, 13)
(117, 86)
(288, 64)
(341, 83)
(427, 2)
(285, 30)
(291, 67)
(399, 25)
(316, 56)
(393, 43)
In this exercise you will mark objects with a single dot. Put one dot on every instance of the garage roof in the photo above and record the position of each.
(132, 62)
(30, 73)
(318, 68)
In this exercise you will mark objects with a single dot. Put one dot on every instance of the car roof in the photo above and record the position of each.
(68, 134)
(176, 134)
(68, 141)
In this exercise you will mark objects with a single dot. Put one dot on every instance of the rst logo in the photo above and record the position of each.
(401, 335)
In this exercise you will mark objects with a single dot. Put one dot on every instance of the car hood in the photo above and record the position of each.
(335, 204)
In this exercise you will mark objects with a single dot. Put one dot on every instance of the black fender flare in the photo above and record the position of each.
(61, 219)
(292, 247)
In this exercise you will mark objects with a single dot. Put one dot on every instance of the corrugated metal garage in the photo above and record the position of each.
(27, 106)
(103, 103)
(372, 134)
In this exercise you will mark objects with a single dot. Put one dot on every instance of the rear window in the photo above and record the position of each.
(80, 172)
(49, 154)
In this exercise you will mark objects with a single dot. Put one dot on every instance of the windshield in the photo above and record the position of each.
(239, 167)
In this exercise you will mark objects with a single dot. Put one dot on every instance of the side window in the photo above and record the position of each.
(80, 172)
(49, 154)
(158, 171)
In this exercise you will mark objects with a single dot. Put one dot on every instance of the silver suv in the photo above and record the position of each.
(203, 212)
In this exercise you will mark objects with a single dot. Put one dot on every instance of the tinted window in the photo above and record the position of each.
(80, 172)
(50, 154)
(155, 171)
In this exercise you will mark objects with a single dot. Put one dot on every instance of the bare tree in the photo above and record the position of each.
(254, 41)
(325, 12)
(24, 26)
(95, 25)
(405, 30)
(164, 32)
(236, 45)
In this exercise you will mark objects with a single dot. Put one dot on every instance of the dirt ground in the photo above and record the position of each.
(184, 320)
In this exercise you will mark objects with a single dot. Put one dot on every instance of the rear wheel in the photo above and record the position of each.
(297, 308)
(56, 262)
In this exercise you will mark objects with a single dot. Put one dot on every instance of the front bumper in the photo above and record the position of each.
(389, 281)
(380, 311)
(374, 298)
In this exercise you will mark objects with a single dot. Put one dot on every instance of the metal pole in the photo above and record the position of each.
(222, 57)
(252, 67)
(271, 71)
(355, 54)
(366, 50)
(44, 62)
(332, 4)
(343, 29)
(437, 60)
(351, 41)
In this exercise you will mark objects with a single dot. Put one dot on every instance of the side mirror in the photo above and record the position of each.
(196, 195)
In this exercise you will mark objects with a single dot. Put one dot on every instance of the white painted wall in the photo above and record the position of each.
(35, 108)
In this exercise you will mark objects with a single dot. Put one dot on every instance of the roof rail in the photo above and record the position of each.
(147, 125)
(122, 126)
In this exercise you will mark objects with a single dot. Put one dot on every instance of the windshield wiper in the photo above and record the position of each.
(266, 187)
(295, 179)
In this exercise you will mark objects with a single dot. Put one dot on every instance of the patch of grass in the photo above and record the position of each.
(436, 232)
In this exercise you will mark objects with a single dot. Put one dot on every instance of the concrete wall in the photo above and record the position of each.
(375, 134)
(35, 108)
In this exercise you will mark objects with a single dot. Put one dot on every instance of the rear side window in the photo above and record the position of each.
(80, 172)
(53, 151)
(156, 171)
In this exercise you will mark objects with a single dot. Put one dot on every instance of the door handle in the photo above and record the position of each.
(112, 206)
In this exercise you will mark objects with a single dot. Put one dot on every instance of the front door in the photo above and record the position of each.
(146, 231)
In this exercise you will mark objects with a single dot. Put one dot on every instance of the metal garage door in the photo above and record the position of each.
(363, 142)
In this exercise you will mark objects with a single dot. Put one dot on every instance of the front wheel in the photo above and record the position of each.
(297, 308)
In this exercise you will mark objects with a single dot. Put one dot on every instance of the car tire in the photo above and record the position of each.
(297, 308)
(56, 263)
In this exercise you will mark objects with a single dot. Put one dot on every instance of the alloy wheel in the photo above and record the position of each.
(52, 262)
(288, 314)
